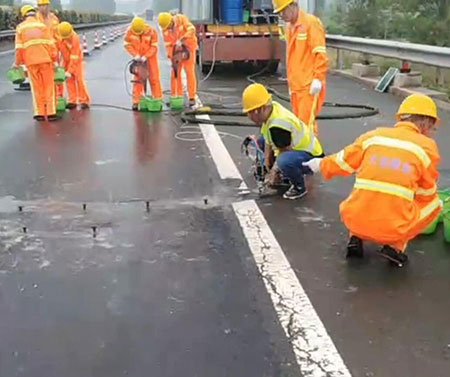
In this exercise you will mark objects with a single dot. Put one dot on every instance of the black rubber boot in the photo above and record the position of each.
(394, 256)
(39, 118)
(84, 106)
(355, 248)
(135, 107)
(54, 118)
(71, 106)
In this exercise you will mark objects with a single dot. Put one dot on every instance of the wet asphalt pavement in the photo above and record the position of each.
(168, 286)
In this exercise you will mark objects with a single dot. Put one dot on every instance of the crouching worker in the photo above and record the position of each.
(395, 195)
(284, 138)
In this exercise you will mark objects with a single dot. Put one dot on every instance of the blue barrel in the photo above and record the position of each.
(232, 12)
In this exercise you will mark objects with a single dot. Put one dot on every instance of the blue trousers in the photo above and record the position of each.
(291, 164)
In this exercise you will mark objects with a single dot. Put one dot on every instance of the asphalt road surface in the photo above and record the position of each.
(140, 248)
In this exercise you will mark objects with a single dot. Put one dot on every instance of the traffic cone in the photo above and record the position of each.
(97, 44)
(111, 35)
(85, 46)
(116, 33)
(105, 41)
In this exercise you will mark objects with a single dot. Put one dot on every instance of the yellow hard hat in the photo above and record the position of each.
(25, 9)
(164, 20)
(279, 5)
(65, 29)
(254, 97)
(138, 25)
(418, 104)
(43, 2)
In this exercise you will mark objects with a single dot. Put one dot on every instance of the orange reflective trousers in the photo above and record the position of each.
(42, 88)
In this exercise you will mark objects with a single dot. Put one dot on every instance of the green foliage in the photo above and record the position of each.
(410, 20)
(10, 17)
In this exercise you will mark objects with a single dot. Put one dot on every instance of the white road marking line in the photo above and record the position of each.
(224, 163)
(315, 351)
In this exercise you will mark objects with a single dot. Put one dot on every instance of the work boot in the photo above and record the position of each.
(295, 192)
(135, 107)
(396, 257)
(53, 118)
(71, 106)
(355, 248)
(84, 106)
(39, 118)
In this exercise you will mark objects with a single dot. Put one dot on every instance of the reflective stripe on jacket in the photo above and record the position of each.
(34, 45)
(306, 52)
(302, 136)
(183, 31)
(71, 53)
(145, 44)
(395, 187)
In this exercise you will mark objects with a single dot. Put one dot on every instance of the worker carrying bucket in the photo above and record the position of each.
(286, 141)
(35, 48)
(306, 58)
(141, 42)
(72, 59)
(181, 45)
(395, 194)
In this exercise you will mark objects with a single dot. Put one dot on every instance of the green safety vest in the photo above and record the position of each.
(302, 135)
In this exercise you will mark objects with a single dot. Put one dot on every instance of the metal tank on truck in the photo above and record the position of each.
(236, 31)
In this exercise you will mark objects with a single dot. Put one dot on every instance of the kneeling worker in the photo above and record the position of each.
(141, 42)
(72, 59)
(286, 137)
(395, 195)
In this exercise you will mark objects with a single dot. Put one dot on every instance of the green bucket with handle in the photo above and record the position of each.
(444, 195)
(16, 75)
(60, 75)
(176, 103)
(155, 105)
(61, 104)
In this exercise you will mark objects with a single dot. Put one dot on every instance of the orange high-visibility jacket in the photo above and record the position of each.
(306, 53)
(51, 22)
(34, 44)
(71, 52)
(395, 188)
(145, 44)
(184, 32)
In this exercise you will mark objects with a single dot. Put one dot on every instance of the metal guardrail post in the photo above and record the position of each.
(339, 59)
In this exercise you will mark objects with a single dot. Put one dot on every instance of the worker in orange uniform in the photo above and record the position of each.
(395, 195)
(51, 21)
(180, 40)
(36, 49)
(72, 60)
(48, 18)
(306, 62)
(141, 42)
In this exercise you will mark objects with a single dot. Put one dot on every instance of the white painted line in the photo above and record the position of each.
(224, 163)
(8, 52)
(315, 351)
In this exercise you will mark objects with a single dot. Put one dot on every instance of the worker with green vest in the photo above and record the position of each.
(284, 138)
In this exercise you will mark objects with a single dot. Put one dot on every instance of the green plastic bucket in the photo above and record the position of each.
(444, 195)
(143, 104)
(16, 75)
(446, 219)
(61, 104)
(154, 105)
(60, 75)
(176, 103)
